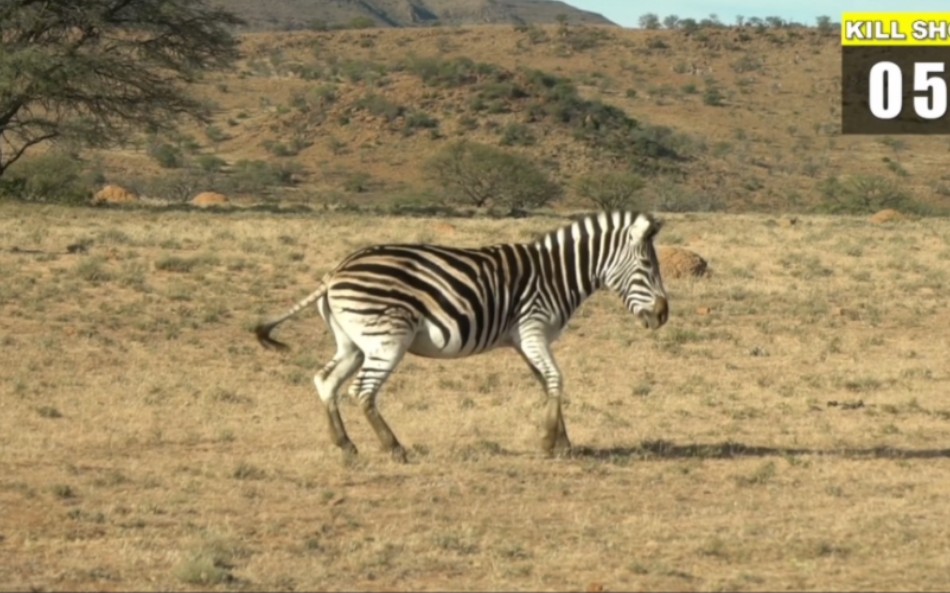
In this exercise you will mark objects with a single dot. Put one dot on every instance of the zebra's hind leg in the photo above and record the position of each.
(538, 356)
(377, 367)
(335, 373)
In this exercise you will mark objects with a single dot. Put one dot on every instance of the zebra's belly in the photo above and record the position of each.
(430, 342)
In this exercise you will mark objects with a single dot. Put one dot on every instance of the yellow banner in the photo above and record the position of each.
(896, 28)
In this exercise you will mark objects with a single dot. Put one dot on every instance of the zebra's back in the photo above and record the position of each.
(461, 300)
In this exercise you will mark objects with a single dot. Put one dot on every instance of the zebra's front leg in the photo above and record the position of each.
(328, 381)
(541, 362)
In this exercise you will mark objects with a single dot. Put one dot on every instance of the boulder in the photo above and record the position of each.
(886, 215)
(207, 199)
(676, 262)
(114, 194)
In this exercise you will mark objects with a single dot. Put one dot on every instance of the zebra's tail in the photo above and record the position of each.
(264, 328)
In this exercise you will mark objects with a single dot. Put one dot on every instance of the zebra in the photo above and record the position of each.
(438, 301)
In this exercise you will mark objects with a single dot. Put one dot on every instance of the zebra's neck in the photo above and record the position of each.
(575, 259)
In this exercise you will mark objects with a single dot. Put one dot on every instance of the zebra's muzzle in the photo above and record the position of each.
(654, 318)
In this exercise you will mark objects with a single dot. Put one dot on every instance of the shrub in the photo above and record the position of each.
(216, 135)
(864, 195)
(380, 106)
(420, 120)
(252, 176)
(455, 72)
(361, 22)
(713, 97)
(55, 177)
(210, 163)
(611, 191)
(482, 175)
(517, 135)
(166, 155)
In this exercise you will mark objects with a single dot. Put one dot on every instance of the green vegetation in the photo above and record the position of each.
(860, 194)
(55, 177)
(90, 80)
(611, 191)
(480, 175)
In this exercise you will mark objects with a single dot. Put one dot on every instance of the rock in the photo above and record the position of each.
(886, 215)
(676, 262)
(114, 194)
(207, 199)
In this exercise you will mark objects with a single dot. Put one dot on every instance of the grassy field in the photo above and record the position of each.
(788, 429)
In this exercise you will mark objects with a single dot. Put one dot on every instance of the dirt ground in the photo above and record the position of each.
(788, 429)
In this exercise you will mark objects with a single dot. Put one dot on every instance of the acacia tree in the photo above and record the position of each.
(93, 71)
(482, 175)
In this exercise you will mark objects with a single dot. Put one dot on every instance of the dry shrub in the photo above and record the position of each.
(114, 194)
(676, 262)
(208, 199)
(886, 215)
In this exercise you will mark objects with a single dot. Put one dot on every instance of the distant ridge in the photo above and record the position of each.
(318, 14)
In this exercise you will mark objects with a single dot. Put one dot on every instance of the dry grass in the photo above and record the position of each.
(793, 436)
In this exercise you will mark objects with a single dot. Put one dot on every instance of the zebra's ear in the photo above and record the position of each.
(644, 228)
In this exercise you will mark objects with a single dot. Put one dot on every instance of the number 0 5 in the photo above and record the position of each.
(886, 89)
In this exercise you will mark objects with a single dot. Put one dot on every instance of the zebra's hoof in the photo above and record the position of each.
(561, 450)
(350, 454)
(399, 454)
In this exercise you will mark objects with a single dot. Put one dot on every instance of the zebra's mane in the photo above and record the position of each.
(602, 221)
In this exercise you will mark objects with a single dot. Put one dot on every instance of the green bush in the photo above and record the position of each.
(53, 177)
(482, 175)
(862, 194)
(420, 120)
(166, 155)
(380, 106)
(612, 191)
(455, 72)
(518, 135)
(253, 176)
(210, 163)
(361, 22)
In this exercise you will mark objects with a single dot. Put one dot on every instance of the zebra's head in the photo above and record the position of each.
(634, 272)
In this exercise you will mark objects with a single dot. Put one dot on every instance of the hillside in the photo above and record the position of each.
(725, 119)
(320, 14)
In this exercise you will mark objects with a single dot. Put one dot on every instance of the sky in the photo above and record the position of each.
(627, 13)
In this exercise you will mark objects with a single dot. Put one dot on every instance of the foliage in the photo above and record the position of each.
(611, 191)
(380, 106)
(166, 155)
(179, 185)
(516, 134)
(94, 73)
(862, 194)
(668, 196)
(55, 177)
(254, 176)
(649, 21)
(455, 72)
(545, 96)
(482, 175)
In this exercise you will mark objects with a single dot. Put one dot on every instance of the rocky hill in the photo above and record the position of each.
(328, 14)
(732, 119)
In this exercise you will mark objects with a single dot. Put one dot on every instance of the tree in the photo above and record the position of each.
(824, 24)
(483, 175)
(611, 191)
(671, 21)
(93, 71)
(649, 21)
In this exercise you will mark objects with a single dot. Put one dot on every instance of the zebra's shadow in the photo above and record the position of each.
(662, 449)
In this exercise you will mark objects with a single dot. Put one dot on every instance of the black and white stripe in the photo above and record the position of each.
(447, 302)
